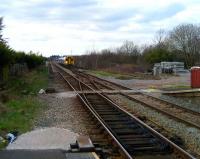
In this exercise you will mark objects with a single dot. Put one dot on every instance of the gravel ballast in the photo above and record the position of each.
(190, 136)
(179, 101)
(63, 110)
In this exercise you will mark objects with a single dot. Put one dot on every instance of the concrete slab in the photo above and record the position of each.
(45, 138)
(68, 94)
(84, 143)
(184, 93)
(196, 90)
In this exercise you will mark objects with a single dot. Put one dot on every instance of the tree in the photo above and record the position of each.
(8, 57)
(5, 51)
(1, 28)
(185, 39)
(128, 47)
(5, 55)
(155, 54)
(160, 38)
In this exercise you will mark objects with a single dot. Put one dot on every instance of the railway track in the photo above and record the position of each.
(101, 83)
(134, 138)
(91, 81)
(178, 113)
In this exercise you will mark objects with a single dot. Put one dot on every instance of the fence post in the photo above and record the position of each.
(5, 73)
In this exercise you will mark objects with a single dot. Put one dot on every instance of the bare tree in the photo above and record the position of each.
(129, 47)
(160, 38)
(1, 28)
(185, 38)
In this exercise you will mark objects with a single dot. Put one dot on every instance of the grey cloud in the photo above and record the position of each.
(76, 11)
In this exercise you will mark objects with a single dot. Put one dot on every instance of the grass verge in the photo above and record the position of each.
(123, 76)
(175, 87)
(19, 106)
(111, 74)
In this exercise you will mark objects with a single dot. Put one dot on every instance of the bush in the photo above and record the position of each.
(5, 55)
(155, 55)
(9, 56)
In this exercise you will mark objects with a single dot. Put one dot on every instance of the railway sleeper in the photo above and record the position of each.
(147, 150)
(104, 110)
(109, 113)
(114, 116)
(128, 131)
(119, 126)
(114, 119)
(119, 122)
(141, 141)
(133, 136)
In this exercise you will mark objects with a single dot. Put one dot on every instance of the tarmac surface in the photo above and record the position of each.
(32, 154)
(45, 154)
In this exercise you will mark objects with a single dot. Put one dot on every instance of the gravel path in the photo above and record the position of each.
(59, 85)
(63, 110)
(190, 136)
(182, 79)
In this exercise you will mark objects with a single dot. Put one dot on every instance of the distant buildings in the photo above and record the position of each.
(57, 58)
(168, 67)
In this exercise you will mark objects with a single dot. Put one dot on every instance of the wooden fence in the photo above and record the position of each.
(10, 71)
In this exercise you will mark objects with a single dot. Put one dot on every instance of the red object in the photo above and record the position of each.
(195, 77)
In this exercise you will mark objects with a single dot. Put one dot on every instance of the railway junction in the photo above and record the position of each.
(115, 128)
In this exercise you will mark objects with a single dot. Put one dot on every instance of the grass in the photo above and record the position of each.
(111, 74)
(104, 73)
(19, 114)
(123, 76)
(30, 83)
(176, 87)
(22, 105)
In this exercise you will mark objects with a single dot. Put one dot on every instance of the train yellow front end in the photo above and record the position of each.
(69, 61)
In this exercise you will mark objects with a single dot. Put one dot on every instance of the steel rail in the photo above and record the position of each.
(176, 148)
(163, 111)
(172, 104)
(101, 79)
(156, 98)
(125, 153)
(102, 84)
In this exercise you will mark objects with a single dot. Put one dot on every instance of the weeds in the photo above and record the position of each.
(18, 112)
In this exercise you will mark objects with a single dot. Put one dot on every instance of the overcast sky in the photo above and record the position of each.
(65, 26)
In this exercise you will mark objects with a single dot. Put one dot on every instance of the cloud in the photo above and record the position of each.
(59, 26)
(162, 13)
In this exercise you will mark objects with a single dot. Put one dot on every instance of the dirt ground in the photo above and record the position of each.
(182, 80)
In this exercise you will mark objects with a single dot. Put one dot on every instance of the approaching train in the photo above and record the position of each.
(69, 60)
(66, 61)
